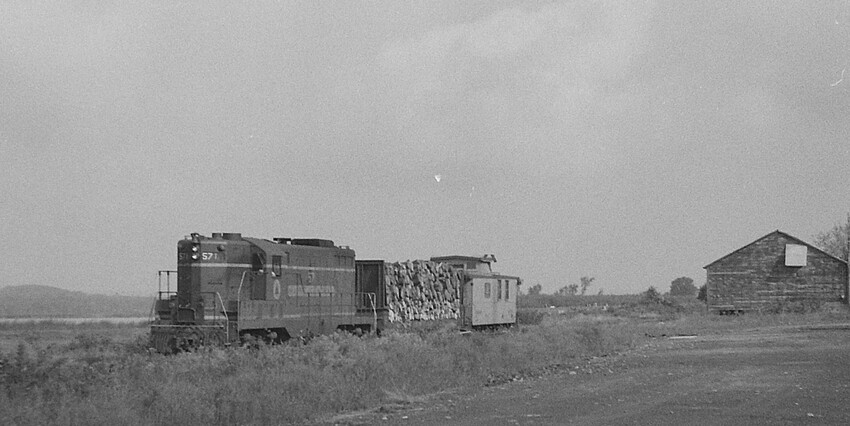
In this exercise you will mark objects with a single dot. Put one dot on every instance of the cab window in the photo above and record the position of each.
(276, 264)
(257, 262)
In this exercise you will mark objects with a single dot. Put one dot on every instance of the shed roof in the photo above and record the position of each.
(772, 233)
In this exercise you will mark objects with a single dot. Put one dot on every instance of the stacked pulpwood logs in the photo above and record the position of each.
(422, 290)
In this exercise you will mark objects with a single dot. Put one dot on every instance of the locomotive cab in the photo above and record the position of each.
(203, 309)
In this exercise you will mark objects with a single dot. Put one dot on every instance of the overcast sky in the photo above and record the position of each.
(632, 142)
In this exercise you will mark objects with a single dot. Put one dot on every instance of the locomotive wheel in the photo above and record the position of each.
(214, 339)
(248, 340)
(190, 342)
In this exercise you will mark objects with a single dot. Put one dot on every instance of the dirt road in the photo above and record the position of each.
(798, 375)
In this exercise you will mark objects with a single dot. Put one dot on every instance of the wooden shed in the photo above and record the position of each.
(775, 272)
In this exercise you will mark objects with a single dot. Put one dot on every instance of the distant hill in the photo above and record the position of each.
(38, 301)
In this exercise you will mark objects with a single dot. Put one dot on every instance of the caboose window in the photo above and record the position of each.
(499, 291)
(507, 289)
(487, 290)
(276, 265)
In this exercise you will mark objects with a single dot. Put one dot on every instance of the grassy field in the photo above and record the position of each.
(58, 334)
(103, 374)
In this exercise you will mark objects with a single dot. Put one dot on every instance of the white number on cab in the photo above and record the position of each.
(209, 255)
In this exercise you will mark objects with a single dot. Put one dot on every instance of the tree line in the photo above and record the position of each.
(833, 242)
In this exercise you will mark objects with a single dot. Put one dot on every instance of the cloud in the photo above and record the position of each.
(530, 86)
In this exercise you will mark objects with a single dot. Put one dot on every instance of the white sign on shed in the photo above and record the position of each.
(795, 255)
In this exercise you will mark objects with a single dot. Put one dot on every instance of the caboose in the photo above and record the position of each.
(230, 287)
(487, 298)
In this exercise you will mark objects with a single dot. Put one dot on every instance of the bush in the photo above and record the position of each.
(652, 296)
(529, 316)
(683, 286)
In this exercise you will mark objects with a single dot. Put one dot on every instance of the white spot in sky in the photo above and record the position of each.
(438, 177)
(840, 79)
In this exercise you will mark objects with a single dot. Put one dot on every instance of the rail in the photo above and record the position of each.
(167, 273)
(167, 293)
(162, 294)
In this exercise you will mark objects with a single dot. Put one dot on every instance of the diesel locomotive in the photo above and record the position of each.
(232, 289)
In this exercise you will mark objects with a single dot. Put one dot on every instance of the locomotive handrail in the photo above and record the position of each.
(226, 319)
(167, 273)
(239, 292)
(213, 294)
(168, 294)
(152, 314)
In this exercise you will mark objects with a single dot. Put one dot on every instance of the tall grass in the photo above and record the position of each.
(95, 380)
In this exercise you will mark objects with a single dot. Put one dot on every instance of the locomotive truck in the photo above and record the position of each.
(232, 288)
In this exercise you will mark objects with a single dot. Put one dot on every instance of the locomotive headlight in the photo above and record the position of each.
(194, 256)
(195, 249)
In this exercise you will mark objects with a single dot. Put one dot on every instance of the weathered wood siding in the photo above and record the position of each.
(755, 277)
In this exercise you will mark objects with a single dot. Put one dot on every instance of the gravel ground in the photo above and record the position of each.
(775, 375)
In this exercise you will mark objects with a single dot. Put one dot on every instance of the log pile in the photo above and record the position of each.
(422, 290)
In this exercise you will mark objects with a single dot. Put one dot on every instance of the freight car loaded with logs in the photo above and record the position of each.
(230, 289)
